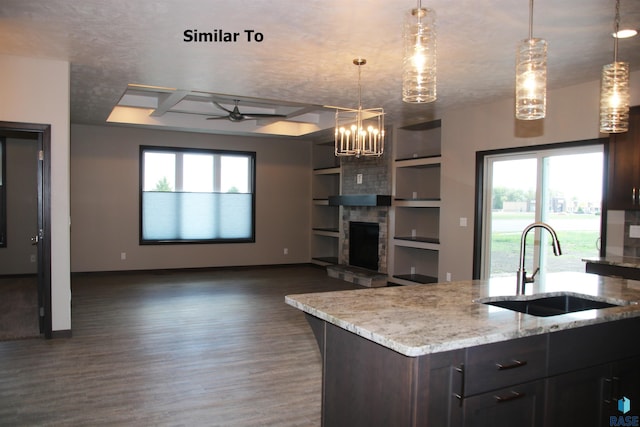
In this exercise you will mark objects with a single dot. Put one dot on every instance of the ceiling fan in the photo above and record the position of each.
(236, 116)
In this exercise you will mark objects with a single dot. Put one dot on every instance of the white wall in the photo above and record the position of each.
(572, 115)
(37, 91)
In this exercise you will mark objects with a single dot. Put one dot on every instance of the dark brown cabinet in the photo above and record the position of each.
(572, 377)
(623, 189)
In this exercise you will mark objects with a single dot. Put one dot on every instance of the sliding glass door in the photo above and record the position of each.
(562, 187)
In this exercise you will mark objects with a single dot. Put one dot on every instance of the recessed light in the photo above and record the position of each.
(625, 33)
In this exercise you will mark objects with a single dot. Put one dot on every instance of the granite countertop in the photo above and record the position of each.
(621, 261)
(422, 319)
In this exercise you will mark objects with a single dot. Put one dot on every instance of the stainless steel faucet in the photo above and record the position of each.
(522, 274)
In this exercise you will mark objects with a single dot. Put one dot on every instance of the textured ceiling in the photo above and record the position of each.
(307, 48)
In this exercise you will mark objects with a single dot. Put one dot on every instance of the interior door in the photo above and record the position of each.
(41, 236)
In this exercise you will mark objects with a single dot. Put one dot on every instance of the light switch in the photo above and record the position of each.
(359, 178)
(634, 231)
(463, 222)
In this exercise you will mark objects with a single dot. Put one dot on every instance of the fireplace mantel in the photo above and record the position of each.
(360, 200)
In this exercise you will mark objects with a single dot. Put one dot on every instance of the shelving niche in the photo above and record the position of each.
(325, 219)
(415, 213)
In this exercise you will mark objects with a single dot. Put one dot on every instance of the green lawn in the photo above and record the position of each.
(576, 241)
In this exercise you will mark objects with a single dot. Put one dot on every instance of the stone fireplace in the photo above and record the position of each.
(372, 215)
(365, 198)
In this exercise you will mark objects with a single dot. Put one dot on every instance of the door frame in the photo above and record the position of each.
(43, 132)
(479, 190)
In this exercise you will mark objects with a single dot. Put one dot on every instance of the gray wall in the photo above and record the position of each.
(22, 205)
(105, 211)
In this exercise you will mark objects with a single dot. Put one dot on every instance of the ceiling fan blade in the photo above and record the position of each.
(262, 115)
(221, 107)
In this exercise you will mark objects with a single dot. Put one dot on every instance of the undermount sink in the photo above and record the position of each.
(551, 305)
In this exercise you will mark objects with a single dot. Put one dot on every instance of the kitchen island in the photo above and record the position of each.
(434, 355)
(619, 266)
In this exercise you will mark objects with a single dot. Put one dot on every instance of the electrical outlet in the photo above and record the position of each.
(359, 178)
(448, 279)
(286, 251)
(123, 256)
(413, 270)
(634, 231)
(32, 258)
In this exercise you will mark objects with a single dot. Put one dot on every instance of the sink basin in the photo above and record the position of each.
(549, 305)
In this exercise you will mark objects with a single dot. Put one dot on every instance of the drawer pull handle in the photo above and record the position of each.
(460, 396)
(516, 364)
(514, 395)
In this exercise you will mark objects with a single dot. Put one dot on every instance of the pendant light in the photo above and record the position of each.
(419, 61)
(531, 76)
(614, 89)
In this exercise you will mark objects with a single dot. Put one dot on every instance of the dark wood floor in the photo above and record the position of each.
(214, 348)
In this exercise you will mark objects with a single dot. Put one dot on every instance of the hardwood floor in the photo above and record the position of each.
(18, 307)
(214, 348)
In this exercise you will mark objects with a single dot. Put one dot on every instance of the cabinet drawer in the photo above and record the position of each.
(520, 405)
(498, 365)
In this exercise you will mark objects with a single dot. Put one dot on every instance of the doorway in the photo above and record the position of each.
(26, 241)
(559, 184)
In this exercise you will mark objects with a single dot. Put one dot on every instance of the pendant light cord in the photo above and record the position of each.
(530, 19)
(616, 28)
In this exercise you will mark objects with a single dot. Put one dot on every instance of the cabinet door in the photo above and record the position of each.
(520, 405)
(624, 382)
(624, 166)
(575, 398)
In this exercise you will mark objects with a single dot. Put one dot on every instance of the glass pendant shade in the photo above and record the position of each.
(531, 79)
(419, 61)
(614, 98)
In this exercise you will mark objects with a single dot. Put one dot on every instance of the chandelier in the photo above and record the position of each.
(419, 61)
(359, 132)
(614, 89)
(531, 76)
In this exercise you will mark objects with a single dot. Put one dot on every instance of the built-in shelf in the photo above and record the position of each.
(327, 171)
(416, 278)
(325, 218)
(418, 239)
(325, 260)
(415, 214)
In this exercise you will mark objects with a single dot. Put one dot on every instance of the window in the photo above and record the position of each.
(196, 196)
(560, 185)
